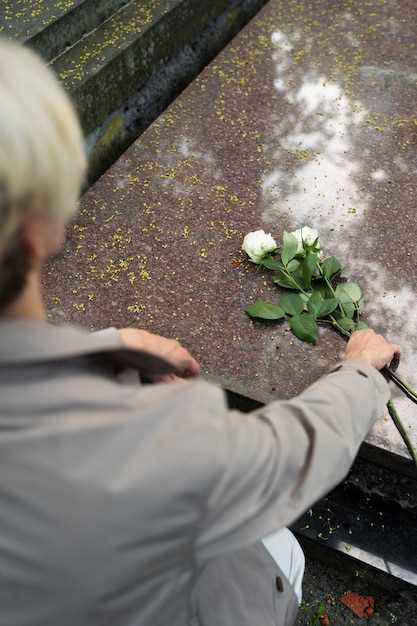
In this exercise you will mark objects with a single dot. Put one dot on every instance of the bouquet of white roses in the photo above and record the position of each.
(314, 294)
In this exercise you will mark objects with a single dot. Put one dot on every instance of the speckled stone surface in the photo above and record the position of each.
(308, 117)
(23, 19)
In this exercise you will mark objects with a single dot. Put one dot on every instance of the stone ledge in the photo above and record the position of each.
(51, 26)
(375, 529)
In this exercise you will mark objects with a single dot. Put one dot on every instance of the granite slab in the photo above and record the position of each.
(309, 116)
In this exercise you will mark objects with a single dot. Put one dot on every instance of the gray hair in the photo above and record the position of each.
(42, 157)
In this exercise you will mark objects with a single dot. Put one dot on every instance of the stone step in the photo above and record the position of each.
(270, 135)
(51, 26)
(114, 61)
(124, 61)
(168, 78)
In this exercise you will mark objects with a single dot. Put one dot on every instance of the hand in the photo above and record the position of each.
(366, 345)
(168, 349)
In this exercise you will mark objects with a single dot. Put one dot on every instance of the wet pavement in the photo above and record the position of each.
(309, 117)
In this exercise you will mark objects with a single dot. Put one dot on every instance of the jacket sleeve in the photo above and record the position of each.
(273, 464)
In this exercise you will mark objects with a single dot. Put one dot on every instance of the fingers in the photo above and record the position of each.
(167, 378)
(167, 349)
(187, 366)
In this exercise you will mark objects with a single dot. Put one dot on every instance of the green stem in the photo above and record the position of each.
(330, 286)
(341, 330)
(401, 429)
(288, 275)
(405, 388)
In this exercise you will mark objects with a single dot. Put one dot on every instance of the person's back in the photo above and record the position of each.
(98, 517)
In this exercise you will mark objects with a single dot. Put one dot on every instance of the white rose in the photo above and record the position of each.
(307, 235)
(258, 244)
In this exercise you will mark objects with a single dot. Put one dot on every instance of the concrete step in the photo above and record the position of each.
(51, 26)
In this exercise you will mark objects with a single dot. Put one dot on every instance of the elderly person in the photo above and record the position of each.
(130, 504)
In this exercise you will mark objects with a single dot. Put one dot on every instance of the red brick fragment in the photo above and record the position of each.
(324, 620)
(361, 606)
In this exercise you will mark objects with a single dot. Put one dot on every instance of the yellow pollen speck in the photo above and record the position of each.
(131, 277)
(145, 275)
(136, 308)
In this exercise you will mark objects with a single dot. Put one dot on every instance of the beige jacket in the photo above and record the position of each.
(114, 495)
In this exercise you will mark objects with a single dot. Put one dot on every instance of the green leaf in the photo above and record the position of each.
(292, 303)
(314, 303)
(354, 291)
(271, 264)
(361, 325)
(304, 327)
(327, 306)
(348, 308)
(283, 281)
(348, 292)
(331, 266)
(293, 265)
(265, 310)
(341, 295)
(308, 268)
(289, 249)
(346, 323)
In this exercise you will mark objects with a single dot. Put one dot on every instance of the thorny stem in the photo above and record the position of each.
(400, 427)
(405, 388)
(341, 330)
